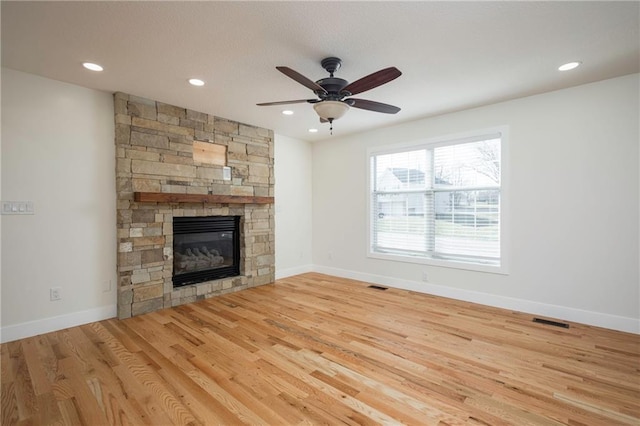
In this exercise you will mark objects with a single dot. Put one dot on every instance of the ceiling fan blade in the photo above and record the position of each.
(301, 79)
(297, 101)
(372, 106)
(372, 80)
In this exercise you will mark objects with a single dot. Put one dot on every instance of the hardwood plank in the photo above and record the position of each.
(39, 378)
(9, 403)
(316, 349)
(69, 412)
(48, 411)
(25, 393)
(83, 404)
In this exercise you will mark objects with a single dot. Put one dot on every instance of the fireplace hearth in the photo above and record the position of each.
(205, 249)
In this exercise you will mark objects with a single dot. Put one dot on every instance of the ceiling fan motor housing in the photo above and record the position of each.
(333, 86)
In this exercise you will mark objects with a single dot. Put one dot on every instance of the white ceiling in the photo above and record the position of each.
(453, 55)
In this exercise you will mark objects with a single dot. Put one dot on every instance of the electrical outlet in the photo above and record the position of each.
(330, 255)
(55, 293)
(425, 276)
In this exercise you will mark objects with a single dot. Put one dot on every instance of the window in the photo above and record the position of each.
(439, 203)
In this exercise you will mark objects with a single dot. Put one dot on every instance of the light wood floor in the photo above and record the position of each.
(315, 349)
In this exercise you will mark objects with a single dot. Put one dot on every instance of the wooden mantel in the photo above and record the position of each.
(162, 197)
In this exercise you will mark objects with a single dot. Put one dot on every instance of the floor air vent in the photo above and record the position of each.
(553, 323)
(377, 287)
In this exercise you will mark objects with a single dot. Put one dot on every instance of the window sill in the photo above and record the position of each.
(453, 264)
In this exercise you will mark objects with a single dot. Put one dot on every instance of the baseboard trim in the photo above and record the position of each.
(598, 319)
(46, 325)
(289, 272)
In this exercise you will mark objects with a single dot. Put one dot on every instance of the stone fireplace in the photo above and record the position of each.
(175, 166)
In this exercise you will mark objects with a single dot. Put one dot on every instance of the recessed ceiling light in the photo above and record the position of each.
(92, 66)
(287, 112)
(196, 82)
(313, 130)
(569, 66)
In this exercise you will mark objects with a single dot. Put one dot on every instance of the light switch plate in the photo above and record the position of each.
(226, 173)
(17, 207)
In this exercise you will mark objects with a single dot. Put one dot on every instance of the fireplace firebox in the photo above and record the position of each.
(205, 249)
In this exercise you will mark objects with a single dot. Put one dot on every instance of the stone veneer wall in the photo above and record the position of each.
(154, 153)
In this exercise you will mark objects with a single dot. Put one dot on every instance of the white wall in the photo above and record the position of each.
(293, 206)
(1, 215)
(574, 206)
(57, 151)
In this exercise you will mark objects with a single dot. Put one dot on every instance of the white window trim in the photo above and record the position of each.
(504, 199)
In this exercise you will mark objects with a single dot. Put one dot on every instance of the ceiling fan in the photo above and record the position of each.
(332, 91)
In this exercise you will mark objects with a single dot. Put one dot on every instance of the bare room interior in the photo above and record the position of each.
(278, 213)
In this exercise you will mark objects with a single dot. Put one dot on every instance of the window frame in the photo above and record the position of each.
(432, 143)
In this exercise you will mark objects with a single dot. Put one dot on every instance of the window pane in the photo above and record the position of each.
(470, 164)
(468, 223)
(399, 222)
(401, 171)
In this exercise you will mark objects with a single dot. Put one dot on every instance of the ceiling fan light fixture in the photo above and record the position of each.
(331, 110)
